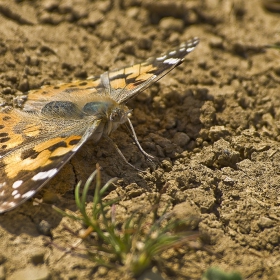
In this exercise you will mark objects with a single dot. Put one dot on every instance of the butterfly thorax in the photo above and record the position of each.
(111, 114)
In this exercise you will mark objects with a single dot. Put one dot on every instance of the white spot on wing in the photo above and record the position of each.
(172, 52)
(28, 194)
(14, 192)
(190, 49)
(2, 193)
(17, 184)
(17, 196)
(161, 58)
(171, 60)
(44, 175)
(11, 204)
(3, 185)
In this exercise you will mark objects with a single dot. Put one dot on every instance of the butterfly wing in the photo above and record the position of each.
(125, 83)
(121, 84)
(32, 151)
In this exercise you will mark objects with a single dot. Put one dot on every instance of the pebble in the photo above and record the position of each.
(216, 43)
(7, 90)
(50, 5)
(181, 139)
(104, 6)
(23, 85)
(44, 227)
(133, 12)
(172, 24)
(145, 43)
(31, 273)
(47, 18)
(218, 132)
(265, 222)
(94, 18)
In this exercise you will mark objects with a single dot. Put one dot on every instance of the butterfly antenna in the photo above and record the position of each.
(133, 134)
(121, 154)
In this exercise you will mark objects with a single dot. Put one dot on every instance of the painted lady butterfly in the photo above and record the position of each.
(57, 120)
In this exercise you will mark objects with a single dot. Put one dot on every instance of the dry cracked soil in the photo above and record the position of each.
(213, 124)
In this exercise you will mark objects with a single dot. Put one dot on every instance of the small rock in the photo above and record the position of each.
(133, 12)
(94, 18)
(7, 90)
(31, 273)
(53, 19)
(145, 43)
(11, 77)
(172, 24)
(128, 48)
(50, 5)
(181, 139)
(265, 222)
(45, 228)
(81, 74)
(188, 214)
(104, 6)
(218, 132)
(133, 190)
(23, 85)
(216, 43)
(102, 271)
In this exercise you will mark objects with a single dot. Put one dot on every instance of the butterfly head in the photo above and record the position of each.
(119, 115)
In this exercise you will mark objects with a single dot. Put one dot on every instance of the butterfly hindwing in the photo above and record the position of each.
(31, 153)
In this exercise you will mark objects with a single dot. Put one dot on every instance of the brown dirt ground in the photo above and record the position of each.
(224, 100)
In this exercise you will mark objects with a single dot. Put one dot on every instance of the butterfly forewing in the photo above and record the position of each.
(127, 82)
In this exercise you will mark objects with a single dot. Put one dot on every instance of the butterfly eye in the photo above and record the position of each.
(118, 115)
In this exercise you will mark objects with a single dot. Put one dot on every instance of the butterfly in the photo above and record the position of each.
(37, 141)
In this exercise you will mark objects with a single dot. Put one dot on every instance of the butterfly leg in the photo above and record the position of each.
(146, 155)
(121, 154)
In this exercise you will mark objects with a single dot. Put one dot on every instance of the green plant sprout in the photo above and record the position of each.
(276, 46)
(131, 247)
(217, 274)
